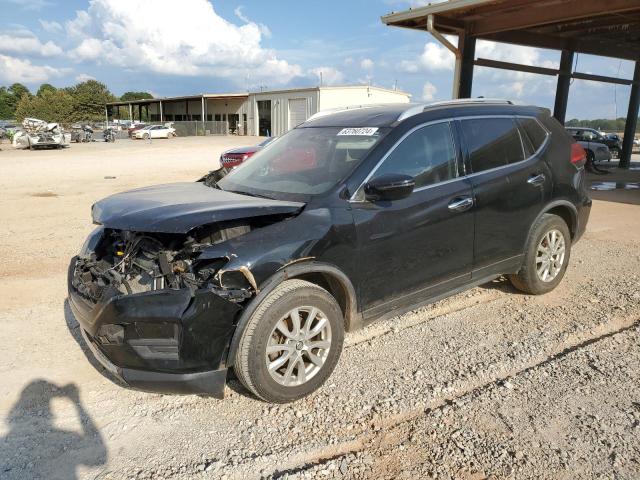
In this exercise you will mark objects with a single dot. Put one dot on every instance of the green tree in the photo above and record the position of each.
(51, 105)
(46, 87)
(90, 98)
(126, 96)
(9, 98)
(6, 112)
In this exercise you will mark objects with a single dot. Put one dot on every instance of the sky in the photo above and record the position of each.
(180, 47)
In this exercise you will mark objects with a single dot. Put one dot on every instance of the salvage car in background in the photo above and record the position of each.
(350, 217)
(37, 133)
(592, 140)
(234, 157)
(155, 131)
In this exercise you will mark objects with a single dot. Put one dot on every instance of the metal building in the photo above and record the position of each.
(265, 113)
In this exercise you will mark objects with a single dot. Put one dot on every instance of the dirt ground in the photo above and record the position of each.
(487, 384)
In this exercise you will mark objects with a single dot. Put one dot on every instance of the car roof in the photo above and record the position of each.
(389, 115)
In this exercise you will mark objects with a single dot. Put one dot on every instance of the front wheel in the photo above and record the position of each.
(291, 344)
(546, 256)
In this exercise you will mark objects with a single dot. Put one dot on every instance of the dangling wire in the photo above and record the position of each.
(575, 68)
(615, 93)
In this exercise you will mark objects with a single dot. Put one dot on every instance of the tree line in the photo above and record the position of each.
(83, 102)
(603, 124)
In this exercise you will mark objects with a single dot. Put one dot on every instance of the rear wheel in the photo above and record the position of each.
(291, 344)
(546, 256)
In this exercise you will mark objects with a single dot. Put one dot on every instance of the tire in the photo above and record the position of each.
(251, 357)
(529, 279)
(591, 157)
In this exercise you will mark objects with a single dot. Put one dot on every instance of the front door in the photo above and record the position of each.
(415, 247)
(509, 189)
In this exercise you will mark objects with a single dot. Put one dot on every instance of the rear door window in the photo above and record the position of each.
(492, 142)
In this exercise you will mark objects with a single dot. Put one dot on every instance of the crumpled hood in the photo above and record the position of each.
(180, 207)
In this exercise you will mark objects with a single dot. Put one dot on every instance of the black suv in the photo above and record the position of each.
(351, 217)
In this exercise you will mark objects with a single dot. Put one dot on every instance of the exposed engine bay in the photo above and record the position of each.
(121, 262)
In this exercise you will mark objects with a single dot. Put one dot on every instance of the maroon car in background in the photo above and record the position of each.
(134, 128)
(234, 157)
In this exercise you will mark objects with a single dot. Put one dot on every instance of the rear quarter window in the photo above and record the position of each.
(492, 142)
(533, 135)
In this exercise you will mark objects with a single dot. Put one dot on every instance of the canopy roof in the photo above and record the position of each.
(610, 28)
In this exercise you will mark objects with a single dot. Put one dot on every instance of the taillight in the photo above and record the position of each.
(578, 155)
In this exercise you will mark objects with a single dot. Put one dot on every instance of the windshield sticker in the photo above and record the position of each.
(361, 132)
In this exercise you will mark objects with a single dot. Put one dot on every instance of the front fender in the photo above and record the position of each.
(353, 317)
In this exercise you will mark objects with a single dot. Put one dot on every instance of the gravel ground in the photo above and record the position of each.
(487, 384)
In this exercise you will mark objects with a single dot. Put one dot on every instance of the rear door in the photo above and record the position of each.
(511, 184)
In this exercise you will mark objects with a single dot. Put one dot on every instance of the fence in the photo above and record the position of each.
(199, 128)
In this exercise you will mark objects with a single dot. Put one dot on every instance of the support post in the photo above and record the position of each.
(161, 113)
(140, 112)
(562, 90)
(632, 120)
(131, 113)
(467, 45)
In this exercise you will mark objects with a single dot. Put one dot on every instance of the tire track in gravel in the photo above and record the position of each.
(372, 440)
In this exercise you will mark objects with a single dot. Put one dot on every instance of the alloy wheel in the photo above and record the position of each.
(550, 255)
(298, 346)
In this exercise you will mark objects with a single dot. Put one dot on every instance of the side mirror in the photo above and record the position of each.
(391, 186)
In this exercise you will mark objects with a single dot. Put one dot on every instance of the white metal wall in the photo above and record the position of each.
(280, 108)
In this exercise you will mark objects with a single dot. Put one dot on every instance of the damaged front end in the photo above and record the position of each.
(153, 312)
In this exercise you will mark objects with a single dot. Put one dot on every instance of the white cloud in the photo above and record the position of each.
(26, 43)
(348, 61)
(330, 75)
(51, 27)
(367, 64)
(133, 34)
(429, 91)
(434, 58)
(238, 11)
(83, 77)
(17, 70)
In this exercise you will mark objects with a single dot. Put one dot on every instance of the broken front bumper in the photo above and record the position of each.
(166, 341)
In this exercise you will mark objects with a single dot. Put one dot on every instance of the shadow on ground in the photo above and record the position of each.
(36, 448)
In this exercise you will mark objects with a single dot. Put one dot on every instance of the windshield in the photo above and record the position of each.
(305, 161)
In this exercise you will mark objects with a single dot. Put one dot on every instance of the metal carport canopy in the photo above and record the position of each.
(608, 28)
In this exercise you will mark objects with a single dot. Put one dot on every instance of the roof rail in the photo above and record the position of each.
(331, 111)
(416, 109)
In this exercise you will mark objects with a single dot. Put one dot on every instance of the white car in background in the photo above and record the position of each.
(155, 131)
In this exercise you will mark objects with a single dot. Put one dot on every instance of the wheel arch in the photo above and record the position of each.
(324, 275)
(563, 209)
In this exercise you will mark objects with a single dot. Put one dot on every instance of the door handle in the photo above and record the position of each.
(536, 180)
(461, 204)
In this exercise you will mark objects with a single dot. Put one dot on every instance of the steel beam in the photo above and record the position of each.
(632, 120)
(467, 46)
(562, 90)
(516, 67)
